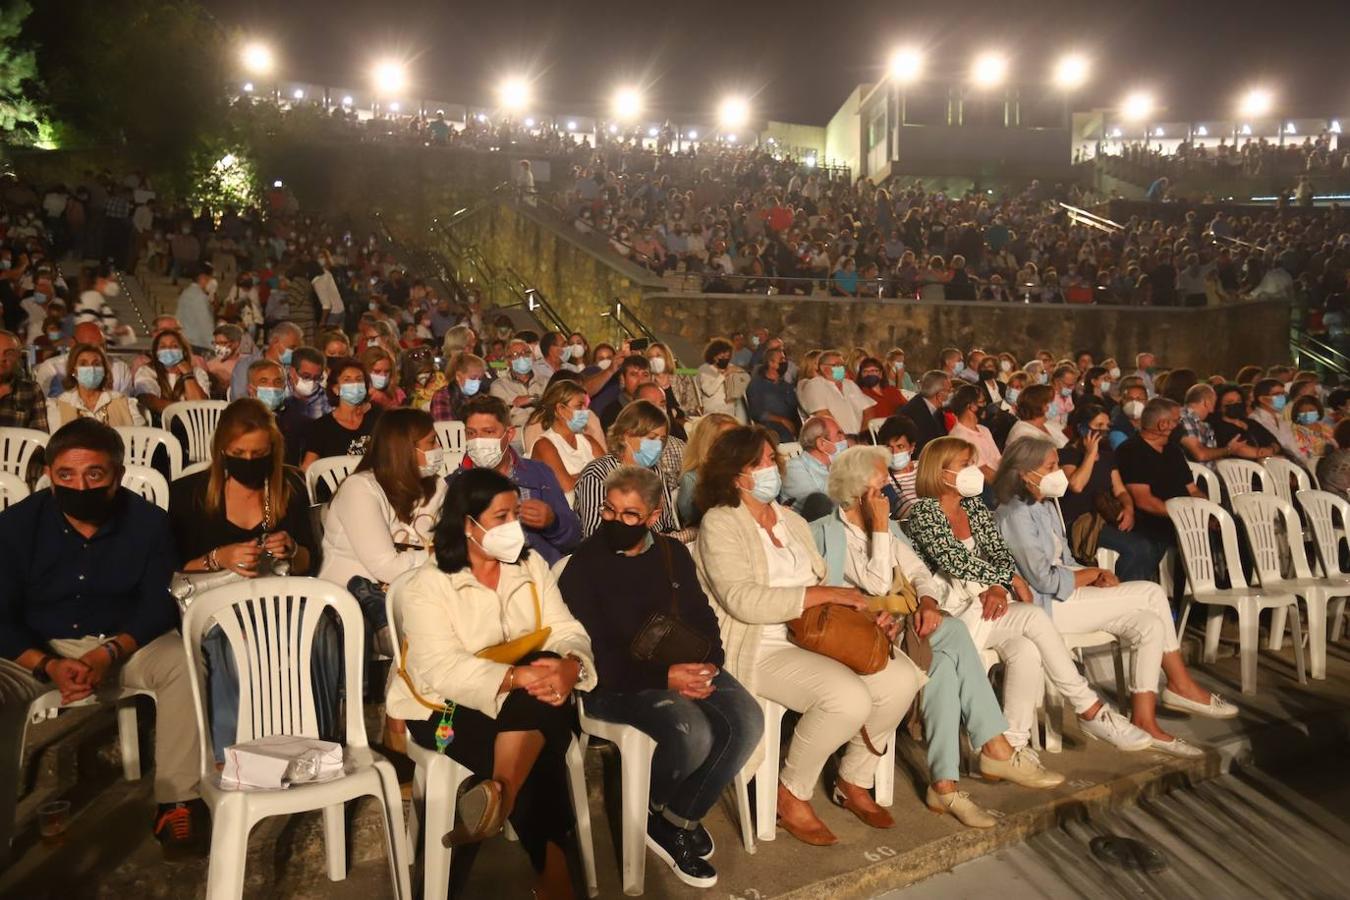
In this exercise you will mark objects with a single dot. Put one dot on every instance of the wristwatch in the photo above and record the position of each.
(581, 667)
(40, 670)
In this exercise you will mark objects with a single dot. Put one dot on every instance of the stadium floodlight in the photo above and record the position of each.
(529, 123)
(1158, 132)
(733, 112)
(613, 129)
(1245, 130)
(1256, 103)
(298, 94)
(389, 76)
(1137, 106)
(1289, 128)
(571, 126)
(514, 94)
(1202, 131)
(248, 87)
(905, 65)
(257, 58)
(347, 100)
(989, 70)
(627, 104)
(1071, 72)
(731, 139)
(653, 131)
(1335, 127)
(693, 135)
(394, 106)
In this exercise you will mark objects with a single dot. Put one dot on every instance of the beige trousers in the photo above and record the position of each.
(835, 703)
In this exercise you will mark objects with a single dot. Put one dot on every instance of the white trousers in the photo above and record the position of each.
(1137, 613)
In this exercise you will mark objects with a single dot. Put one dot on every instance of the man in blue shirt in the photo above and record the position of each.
(281, 343)
(84, 604)
(552, 529)
(807, 475)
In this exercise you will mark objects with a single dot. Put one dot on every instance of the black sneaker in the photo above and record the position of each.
(180, 829)
(676, 847)
(703, 842)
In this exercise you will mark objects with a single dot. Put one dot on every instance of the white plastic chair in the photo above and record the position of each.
(1283, 474)
(1208, 481)
(149, 483)
(1242, 476)
(141, 443)
(1053, 710)
(874, 426)
(450, 435)
(1322, 509)
(1192, 516)
(437, 779)
(270, 625)
(1261, 515)
(17, 446)
(12, 490)
(193, 469)
(49, 706)
(330, 470)
(635, 781)
(199, 418)
(789, 449)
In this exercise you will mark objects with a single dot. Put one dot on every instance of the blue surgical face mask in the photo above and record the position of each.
(1066, 392)
(648, 452)
(1106, 386)
(958, 368)
(89, 377)
(838, 372)
(40, 297)
(578, 420)
(353, 393)
(1013, 394)
(521, 365)
(272, 397)
(1308, 417)
(899, 460)
(168, 357)
(1278, 401)
(286, 357)
(839, 447)
(379, 381)
(471, 386)
(53, 336)
(767, 484)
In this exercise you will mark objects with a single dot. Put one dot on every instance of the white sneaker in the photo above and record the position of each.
(1177, 747)
(1116, 730)
(1216, 708)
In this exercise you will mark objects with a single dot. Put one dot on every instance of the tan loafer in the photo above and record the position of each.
(1023, 767)
(959, 805)
(859, 802)
(481, 815)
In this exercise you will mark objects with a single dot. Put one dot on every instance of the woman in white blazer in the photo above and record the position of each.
(759, 562)
(507, 714)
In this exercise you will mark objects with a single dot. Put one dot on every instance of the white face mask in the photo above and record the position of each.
(212, 285)
(658, 364)
(432, 467)
(603, 364)
(504, 542)
(1054, 485)
(485, 452)
(969, 481)
(112, 289)
(1134, 409)
(305, 387)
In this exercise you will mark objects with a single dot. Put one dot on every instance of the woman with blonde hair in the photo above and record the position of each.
(637, 437)
(709, 428)
(384, 389)
(808, 369)
(89, 392)
(456, 341)
(677, 388)
(855, 358)
(957, 537)
(564, 446)
(897, 375)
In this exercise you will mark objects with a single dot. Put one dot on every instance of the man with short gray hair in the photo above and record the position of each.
(1154, 470)
(284, 338)
(1197, 435)
(807, 475)
(928, 410)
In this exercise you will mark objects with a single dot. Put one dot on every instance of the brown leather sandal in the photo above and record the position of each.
(481, 815)
(815, 834)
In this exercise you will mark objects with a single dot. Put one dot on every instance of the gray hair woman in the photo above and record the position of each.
(863, 549)
(1087, 598)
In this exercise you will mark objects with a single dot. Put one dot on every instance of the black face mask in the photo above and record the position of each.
(94, 506)
(618, 536)
(987, 374)
(251, 473)
(869, 381)
(331, 361)
(722, 363)
(782, 368)
(1235, 411)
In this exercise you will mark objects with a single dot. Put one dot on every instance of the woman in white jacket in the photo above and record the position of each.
(502, 711)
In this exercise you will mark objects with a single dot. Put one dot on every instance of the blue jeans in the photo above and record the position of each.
(1139, 555)
(700, 744)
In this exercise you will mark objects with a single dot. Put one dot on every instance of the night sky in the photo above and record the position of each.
(800, 59)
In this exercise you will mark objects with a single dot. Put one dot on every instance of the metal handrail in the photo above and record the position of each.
(1101, 223)
(622, 329)
(1300, 351)
(1301, 335)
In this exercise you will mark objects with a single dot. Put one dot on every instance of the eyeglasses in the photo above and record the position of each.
(627, 517)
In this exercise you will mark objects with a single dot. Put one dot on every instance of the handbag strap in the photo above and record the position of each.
(446, 707)
(538, 611)
(670, 576)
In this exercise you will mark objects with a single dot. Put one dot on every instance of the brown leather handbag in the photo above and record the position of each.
(844, 634)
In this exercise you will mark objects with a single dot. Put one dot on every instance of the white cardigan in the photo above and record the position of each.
(448, 618)
(362, 528)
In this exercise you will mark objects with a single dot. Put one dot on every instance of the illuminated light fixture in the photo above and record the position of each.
(1246, 129)
(248, 87)
(1335, 126)
(1256, 103)
(693, 135)
(810, 162)
(1137, 106)
(652, 132)
(529, 123)
(347, 100)
(614, 129)
(481, 117)
(226, 161)
(989, 70)
(1116, 133)
(514, 94)
(277, 183)
(1158, 132)
(1071, 71)
(1289, 128)
(257, 58)
(731, 139)
(1202, 131)
(571, 126)
(627, 104)
(905, 65)
(733, 112)
(389, 76)
(298, 94)
(394, 106)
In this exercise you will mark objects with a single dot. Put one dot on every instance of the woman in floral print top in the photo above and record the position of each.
(934, 536)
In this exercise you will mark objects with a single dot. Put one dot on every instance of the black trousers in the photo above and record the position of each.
(543, 811)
